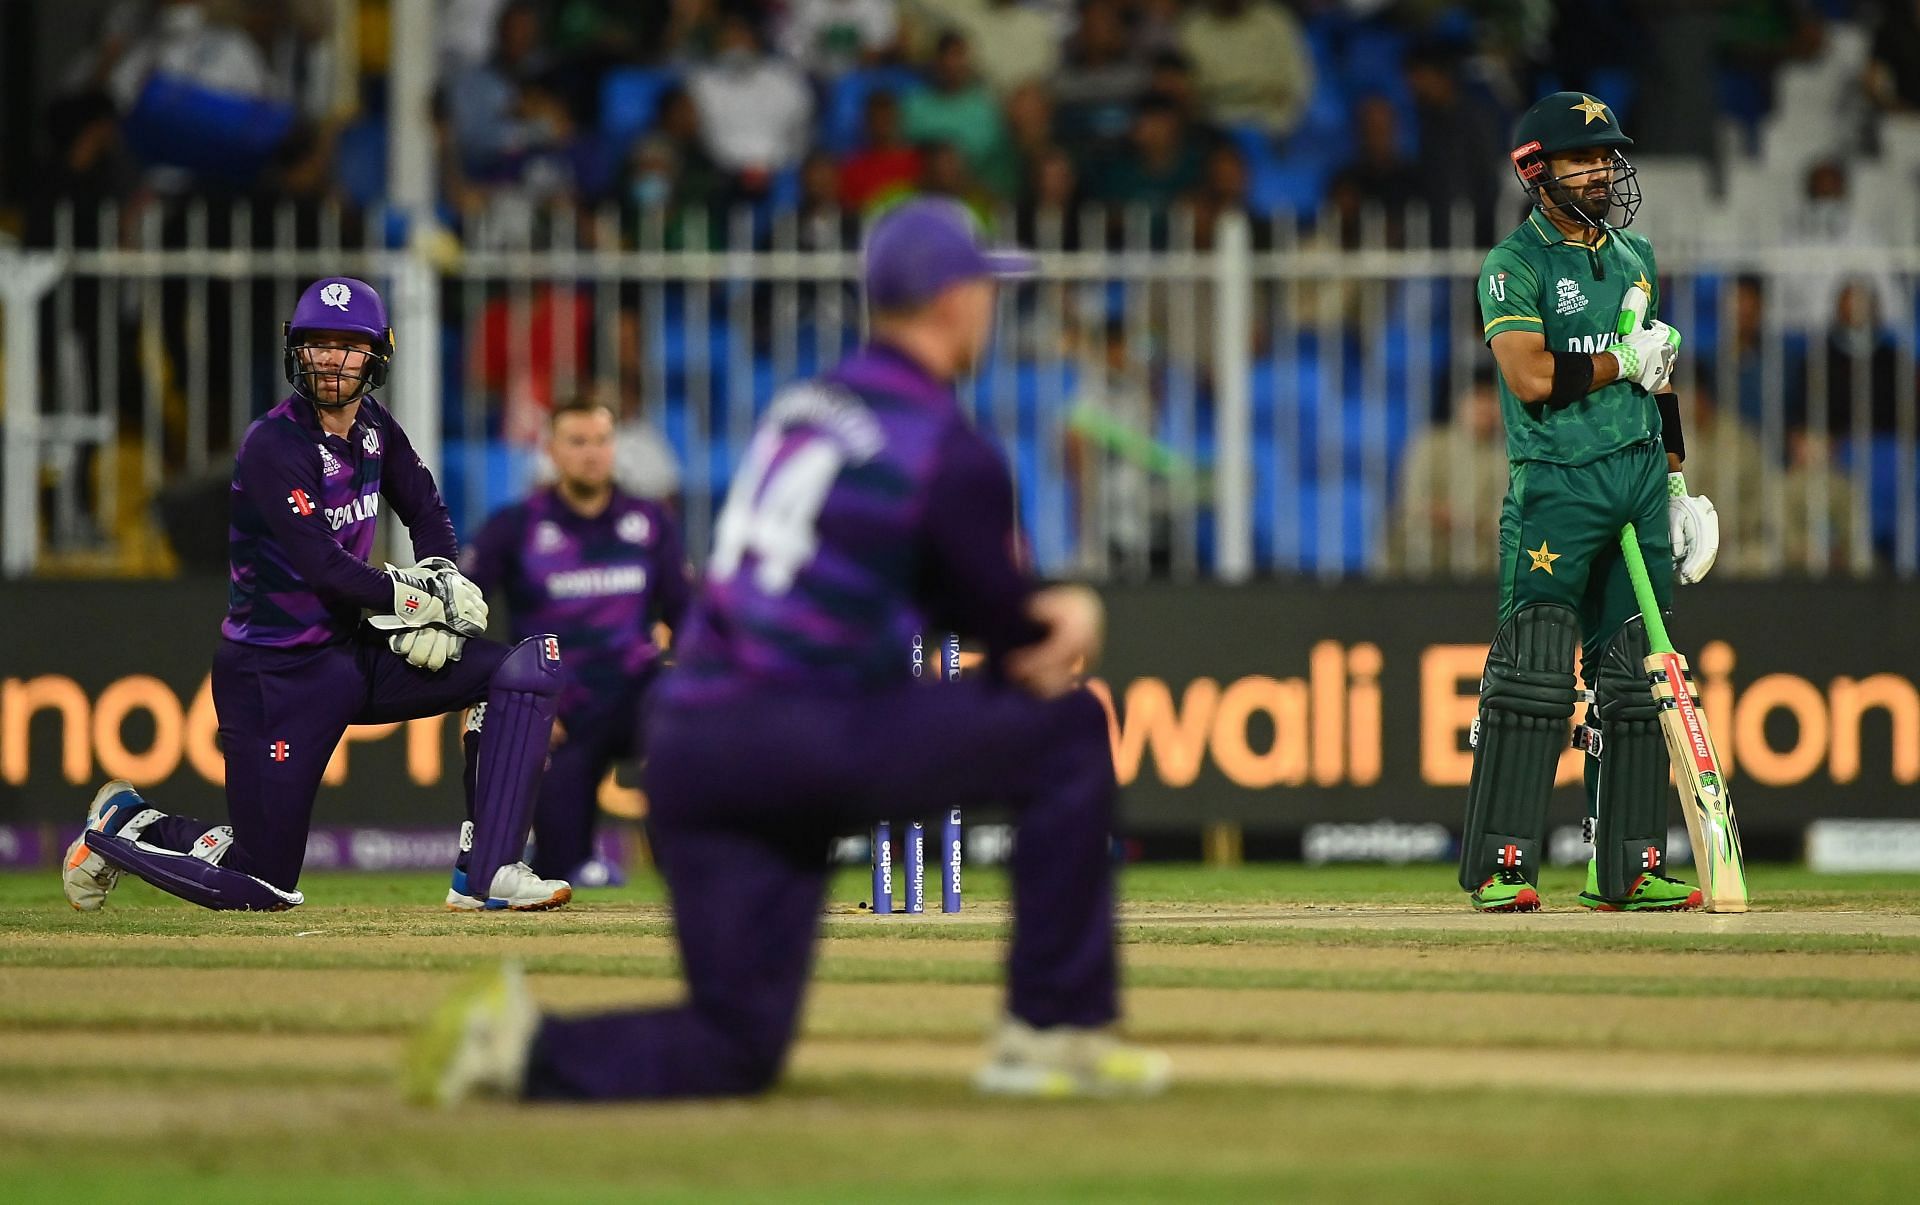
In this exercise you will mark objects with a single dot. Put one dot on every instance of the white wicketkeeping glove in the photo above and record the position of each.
(428, 648)
(468, 603)
(435, 609)
(1694, 527)
(1646, 351)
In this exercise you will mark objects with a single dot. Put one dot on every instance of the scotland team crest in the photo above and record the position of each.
(633, 528)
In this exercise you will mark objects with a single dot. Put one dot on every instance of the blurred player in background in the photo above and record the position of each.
(599, 568)
(296, 665)
(867, 509)
(1570, 301)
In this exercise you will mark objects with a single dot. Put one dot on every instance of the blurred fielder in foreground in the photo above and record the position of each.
(866, 509)
(597, 567)
(296, 666)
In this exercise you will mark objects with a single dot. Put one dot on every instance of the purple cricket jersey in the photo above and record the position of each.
(304, 506)
(598, 583)
(866, 509)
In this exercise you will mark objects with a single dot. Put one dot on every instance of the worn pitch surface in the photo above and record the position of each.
(1350, 1032)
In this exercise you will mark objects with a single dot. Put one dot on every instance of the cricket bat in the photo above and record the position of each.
(1697, 775)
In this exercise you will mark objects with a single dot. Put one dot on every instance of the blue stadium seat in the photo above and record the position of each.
(506, 471)
(1881, 479)
(1362, 528)
(629, 98)
(360, 161)
(1045, 503)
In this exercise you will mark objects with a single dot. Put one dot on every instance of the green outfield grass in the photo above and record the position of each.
(1349, 1034)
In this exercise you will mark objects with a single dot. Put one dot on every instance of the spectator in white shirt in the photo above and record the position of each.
(756, 110)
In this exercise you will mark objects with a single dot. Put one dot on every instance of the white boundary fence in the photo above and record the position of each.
(1179, 397)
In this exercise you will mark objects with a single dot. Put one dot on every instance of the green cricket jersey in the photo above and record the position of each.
(1536, 280)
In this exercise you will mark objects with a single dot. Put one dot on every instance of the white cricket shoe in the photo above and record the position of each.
(476, 1043)
(85, 875)
(1067, 1061)
(515, 888)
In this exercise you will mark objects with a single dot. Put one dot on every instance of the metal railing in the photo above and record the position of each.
(1181, 395)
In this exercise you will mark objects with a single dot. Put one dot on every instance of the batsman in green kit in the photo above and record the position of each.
(1570, 305)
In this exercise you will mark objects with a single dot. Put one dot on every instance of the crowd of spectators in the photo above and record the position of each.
(1011, 105)
(1362, 118)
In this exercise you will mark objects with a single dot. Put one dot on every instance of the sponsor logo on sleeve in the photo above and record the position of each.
(301, 504)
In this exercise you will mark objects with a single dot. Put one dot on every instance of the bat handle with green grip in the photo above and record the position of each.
(1633, 311)
(1643, 591)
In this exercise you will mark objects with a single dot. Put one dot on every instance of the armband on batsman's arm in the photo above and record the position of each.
(1671, 435)
(1572, 378)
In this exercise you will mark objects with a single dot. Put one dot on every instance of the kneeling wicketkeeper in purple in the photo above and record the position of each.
(296, 665)
(866, 509)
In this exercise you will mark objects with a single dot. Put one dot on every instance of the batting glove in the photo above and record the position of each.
(1646, 356)
(1694, 527)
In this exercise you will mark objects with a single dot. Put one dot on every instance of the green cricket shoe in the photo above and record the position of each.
(1507, 891)
(475, 1044)
(1066, 1061)
(1651, 892)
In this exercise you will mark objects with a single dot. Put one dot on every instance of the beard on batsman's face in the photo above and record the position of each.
(334, 372)
(1583, 182)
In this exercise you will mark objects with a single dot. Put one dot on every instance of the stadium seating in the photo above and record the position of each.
(630, 98)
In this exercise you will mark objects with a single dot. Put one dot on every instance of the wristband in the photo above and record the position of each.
(1572, 378)
(1670, 433)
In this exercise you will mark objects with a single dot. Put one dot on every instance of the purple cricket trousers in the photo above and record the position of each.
(746, 798)
(601, 730)
(282, 711)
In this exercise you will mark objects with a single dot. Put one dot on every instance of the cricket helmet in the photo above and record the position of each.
(338, 304)
(1574, 121)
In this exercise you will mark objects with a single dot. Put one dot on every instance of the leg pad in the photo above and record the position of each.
(193, 879)
(1526, 703)
(1630, 834)
(513, 740)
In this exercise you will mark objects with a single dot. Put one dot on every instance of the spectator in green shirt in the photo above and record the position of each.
(955, 107)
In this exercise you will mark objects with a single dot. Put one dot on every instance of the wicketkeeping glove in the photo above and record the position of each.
(428, 648)
(422, 600)
(435, 609)
(1694, 527)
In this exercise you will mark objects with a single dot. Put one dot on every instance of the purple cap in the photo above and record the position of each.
(341, 303)
(922, 246)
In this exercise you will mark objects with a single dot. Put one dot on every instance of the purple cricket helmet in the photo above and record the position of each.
(345, 305)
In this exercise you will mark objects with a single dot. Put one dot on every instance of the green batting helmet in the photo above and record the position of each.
(1573, 121)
